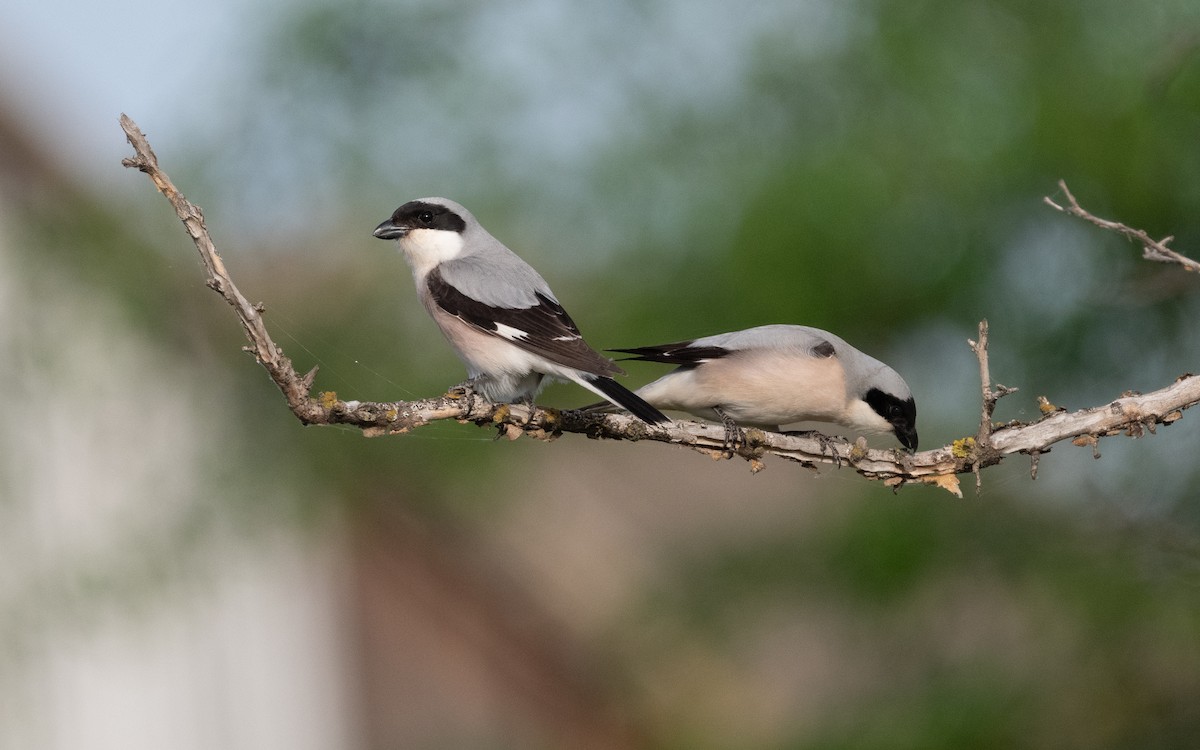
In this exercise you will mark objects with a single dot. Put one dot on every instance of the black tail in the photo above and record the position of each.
(627, 399)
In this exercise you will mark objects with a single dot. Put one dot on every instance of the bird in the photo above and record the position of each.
(775, 375)
(496, 311)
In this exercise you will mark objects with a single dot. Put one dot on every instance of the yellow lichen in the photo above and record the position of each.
(1047, 408)
(963, 447)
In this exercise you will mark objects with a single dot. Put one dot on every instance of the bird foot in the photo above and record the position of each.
(532, 407)
(735, 436)
(827, 442)
(513, 429)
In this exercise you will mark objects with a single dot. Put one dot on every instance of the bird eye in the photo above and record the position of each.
(426, 218)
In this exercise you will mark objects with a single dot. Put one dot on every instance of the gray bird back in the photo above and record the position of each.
(487, 270)
(862, 370)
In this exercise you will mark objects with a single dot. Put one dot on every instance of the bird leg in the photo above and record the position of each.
(735, 436)
(530, 394)
(506, 425)
(527, 400)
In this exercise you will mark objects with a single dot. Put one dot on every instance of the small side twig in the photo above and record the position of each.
(1152, 249)
(980, 347)
(983, 440)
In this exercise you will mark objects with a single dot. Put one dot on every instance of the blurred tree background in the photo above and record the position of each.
(673, 169)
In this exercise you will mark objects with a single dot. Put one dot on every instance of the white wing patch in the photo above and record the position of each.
(510, 333)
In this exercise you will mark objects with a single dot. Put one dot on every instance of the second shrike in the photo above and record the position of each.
(776, 375)
(497, 311)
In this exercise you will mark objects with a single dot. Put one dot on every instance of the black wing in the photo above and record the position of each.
(680, 353)
(544, 329)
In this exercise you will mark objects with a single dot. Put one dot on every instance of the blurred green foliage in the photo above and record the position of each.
(873, 167)
(1099, 652)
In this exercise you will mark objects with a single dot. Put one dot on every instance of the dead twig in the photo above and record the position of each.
(1152, 249)
(983, 440)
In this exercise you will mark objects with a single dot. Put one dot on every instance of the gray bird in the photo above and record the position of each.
(777, 375)
(498, 313)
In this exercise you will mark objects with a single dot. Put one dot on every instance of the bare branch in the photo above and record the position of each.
(940, 467)
(1130, 414)
(1152, 249)
(985, 379)
(264, 349)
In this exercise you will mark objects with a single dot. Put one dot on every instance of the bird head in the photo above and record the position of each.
(429, 231)
(898, 411)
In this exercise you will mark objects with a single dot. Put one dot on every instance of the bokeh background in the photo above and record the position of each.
(183, 565)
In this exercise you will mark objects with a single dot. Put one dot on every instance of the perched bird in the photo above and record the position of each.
(498, 313)
(776, 375)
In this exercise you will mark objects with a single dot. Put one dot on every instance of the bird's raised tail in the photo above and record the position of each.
(625, 398)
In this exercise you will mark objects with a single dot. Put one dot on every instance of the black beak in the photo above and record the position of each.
(389, 231)
(907, 438)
